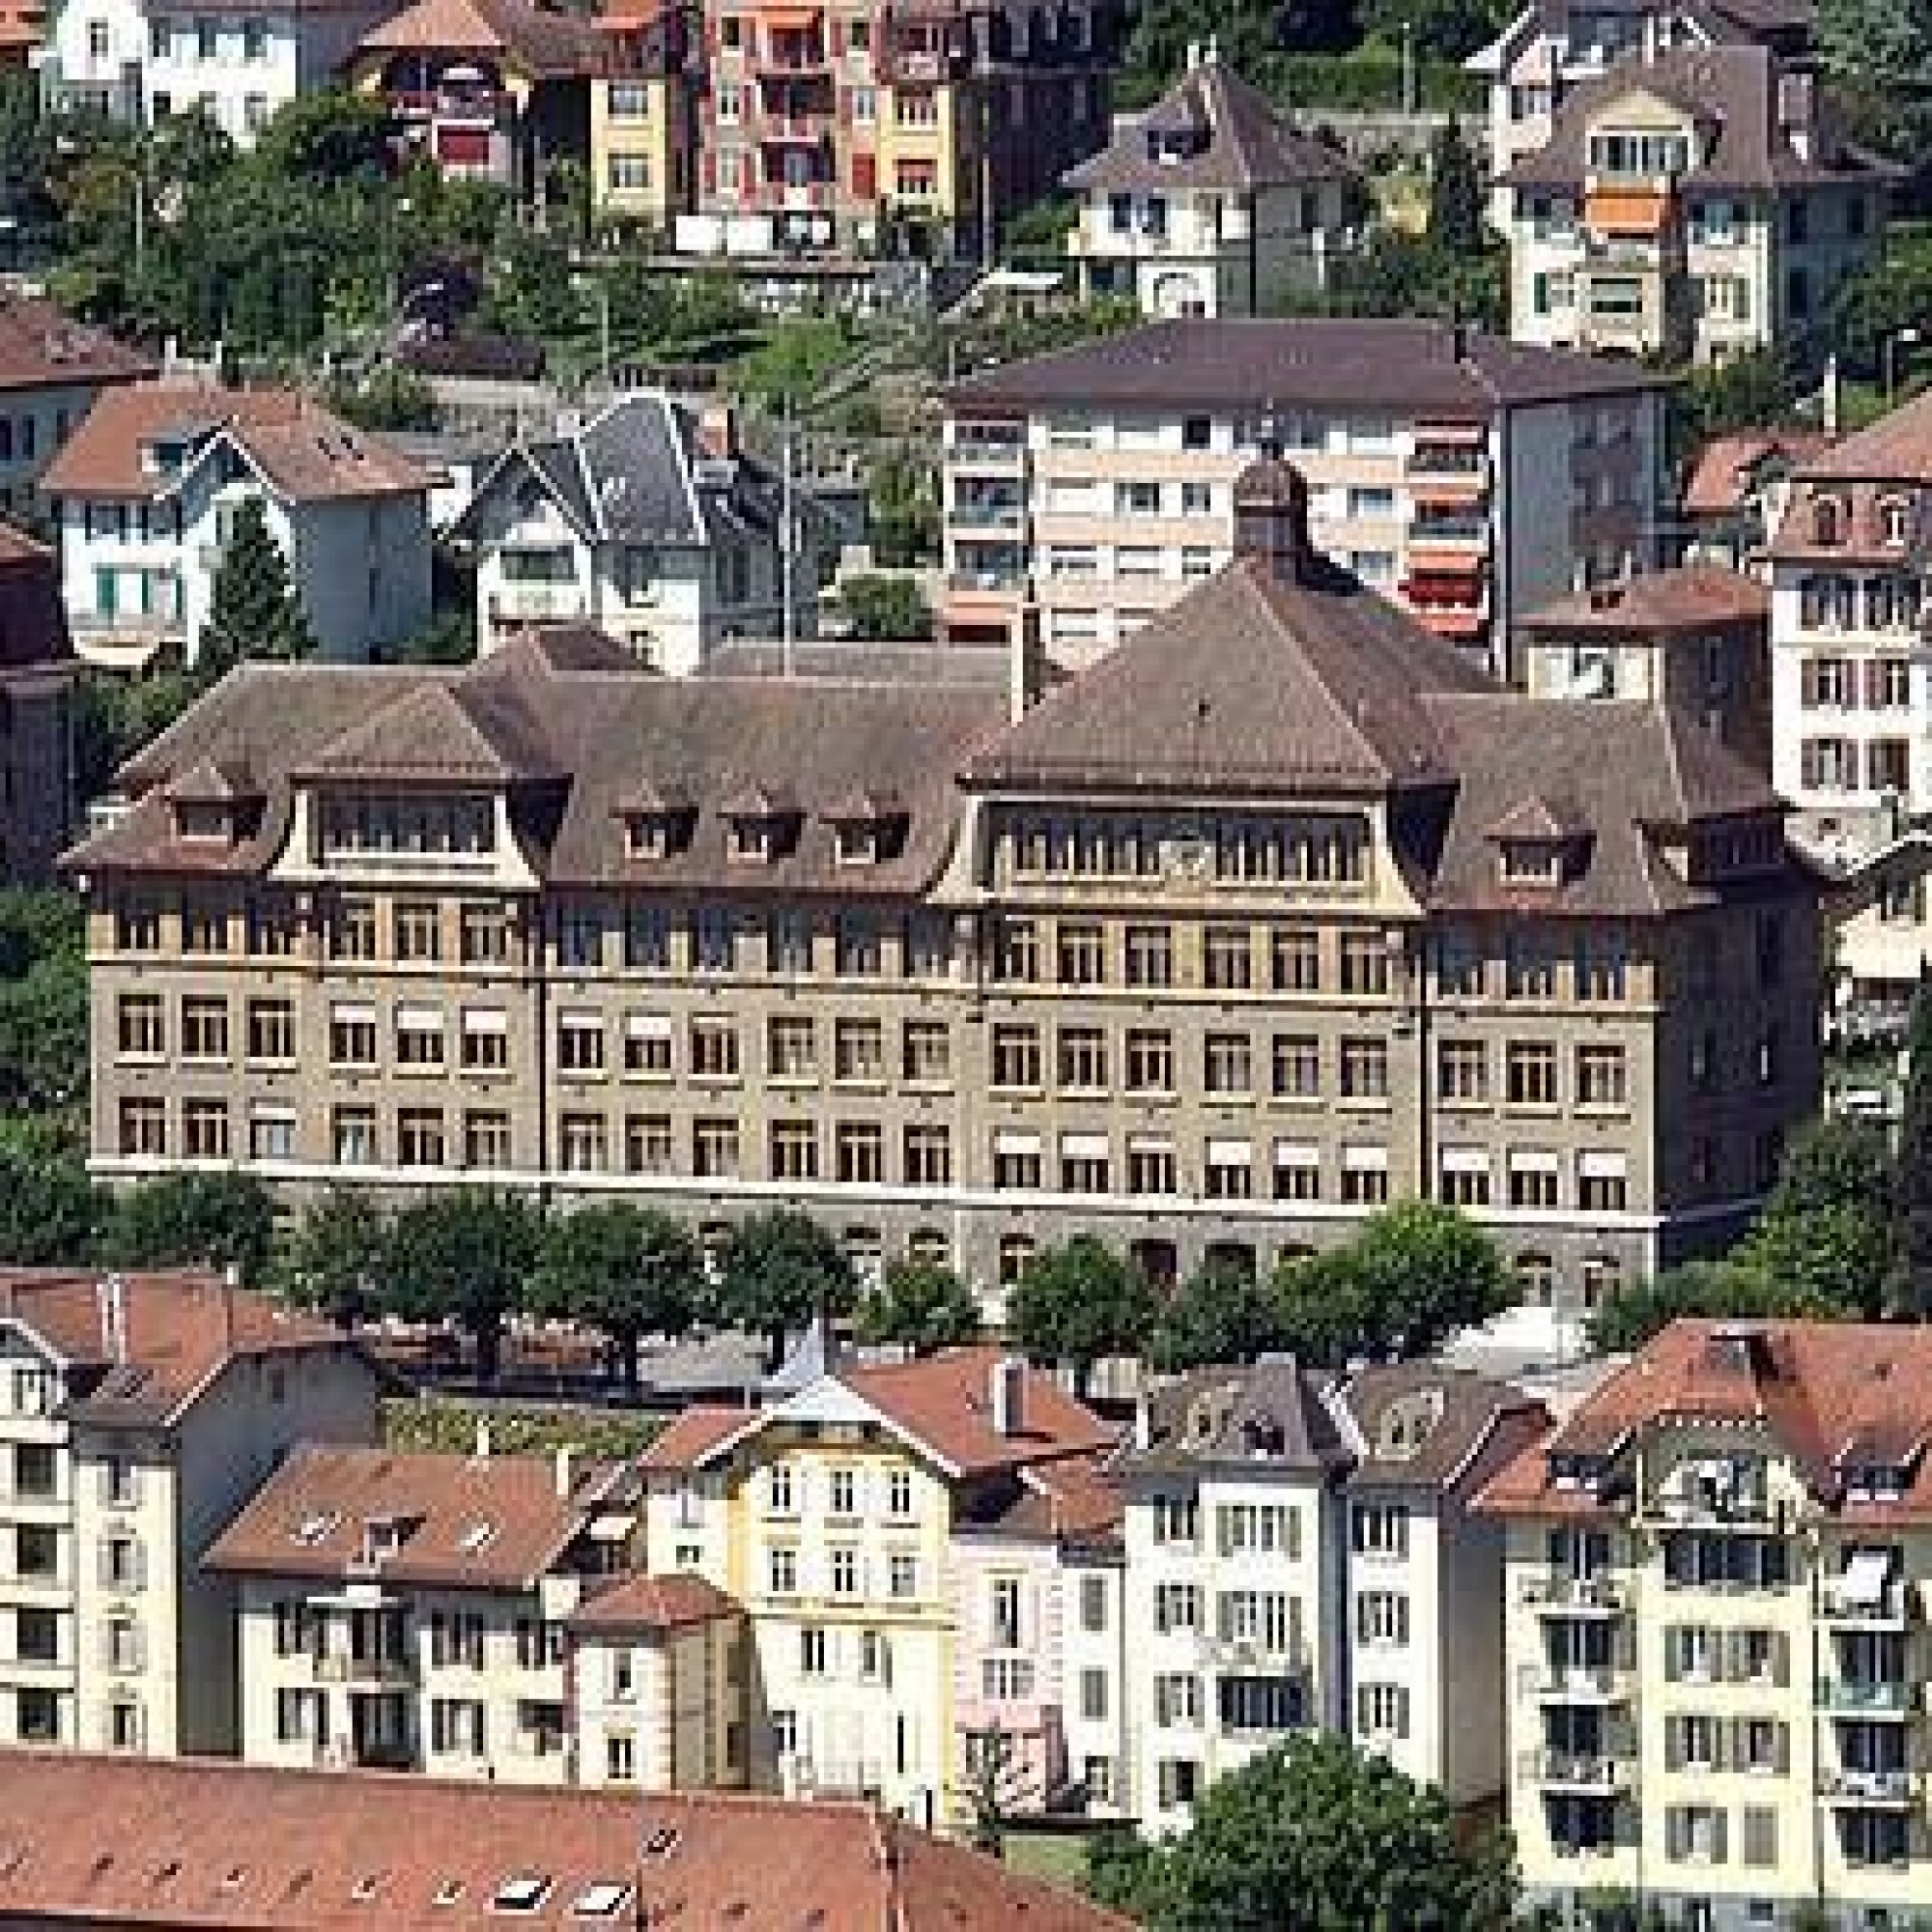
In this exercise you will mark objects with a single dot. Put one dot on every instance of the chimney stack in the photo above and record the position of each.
(482, 1451)
(717, 430)
(564, 1473)
(1008, 1395)
(1143, 1421)
(1271, 519)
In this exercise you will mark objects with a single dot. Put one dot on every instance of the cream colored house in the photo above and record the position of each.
(1208, 203)
(1717, 1568)
(1692, 206)
(829, 1516)
(657, 1671)
(410, 1613)
(137, 1412)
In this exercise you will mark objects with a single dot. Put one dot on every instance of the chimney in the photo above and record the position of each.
(1143, 1421)
(482, 1450)
(717, 430)
(1193, 56)
(111, 1299)
(1008, 1394)
(1828, 397)
(564, 1473)
(1796, 119)
(1271, 519)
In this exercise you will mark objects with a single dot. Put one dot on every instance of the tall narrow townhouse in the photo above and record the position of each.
(1717, 1574)
(1038, 1675)
(1423, 1608)
(831, 1516)
(137, 1412)
(409, 1612)
(1237, 1572)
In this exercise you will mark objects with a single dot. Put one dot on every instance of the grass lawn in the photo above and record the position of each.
(1058, 1856)
(448, 1426)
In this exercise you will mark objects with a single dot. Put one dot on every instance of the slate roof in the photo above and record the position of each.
(1413, 367)
(125, 1841)
(1459, 1413)
(637, 474)
(1268, 1414)
(1731, 92)
(1249, 142)
(478, 1522)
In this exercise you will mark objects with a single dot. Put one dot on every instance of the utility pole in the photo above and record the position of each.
(785, 536)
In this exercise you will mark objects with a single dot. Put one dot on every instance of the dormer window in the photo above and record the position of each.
(1894, 515)
(213, 803)
(866, 828)
(1587, 1474)
(763, 826)
(164, 456)
(657, 821)
(1828, 521)
(1874, 1483)
(1533, 862)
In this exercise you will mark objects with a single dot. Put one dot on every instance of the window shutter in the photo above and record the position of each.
(1673, 1745)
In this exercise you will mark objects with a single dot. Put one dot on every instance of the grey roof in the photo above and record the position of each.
(1419, 1424)
(1267, 1415)
(969, 667)
(1246, 142)
(1732, 92)
(637, 472)
(1409, 366)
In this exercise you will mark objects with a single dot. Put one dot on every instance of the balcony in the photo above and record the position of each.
(1865, 1602)
(1557, 1593)
(1864, 1697)
(1592, 1773)
(790, 59)
(389, 1669)
(988, 513)
(478, 107)
(1890, 1790)
(807, 130)
(537, 603)
(1574, 1683)
(985, 446)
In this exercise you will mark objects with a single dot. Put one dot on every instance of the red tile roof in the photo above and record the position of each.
(120, 1842)
(42, 348)
(1827, 1392)
(1722, 470)
(484, 1522)
(670, 1601)
(541, 41)
(694, 1434)
(144, 1346)
(1695, 597)
(304, 452)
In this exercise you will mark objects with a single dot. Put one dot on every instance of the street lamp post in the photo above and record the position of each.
(1910, 337)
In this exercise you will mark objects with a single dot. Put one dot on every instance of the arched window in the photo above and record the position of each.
(1827, 520)
(1015, 1252)
(930, 1247)
(1603, 1277)
(1535, 1279)
(1894, 515)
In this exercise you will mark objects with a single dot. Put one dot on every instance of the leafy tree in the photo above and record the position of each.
(448, 640)
(1455, 192)
(1079, 1302)
(625, 1270)
(50, 1211)
(1220, 1314)
(920, 1306)
(465, 1257)
(1313, 1837)
(886, 607)
(1912, 1226)
(253, 610)
(216, 1220)
(1826, 1231)
(341, 1255)
(387, 398)
(328, 135)
(1318, 1306)
(1716, 1290)
(42, 1000)
(996, 1786)
(1424, 1272)
(776, 1270)
(904, 513)
(1443, 30)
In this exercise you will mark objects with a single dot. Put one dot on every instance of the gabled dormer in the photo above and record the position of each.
(657, 821)
(216, 802)
(1540, 842)
(867, 826)
(761, 824)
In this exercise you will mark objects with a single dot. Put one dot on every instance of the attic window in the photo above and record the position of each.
(760, 828)
(855, 843)
(1874, 1483)
(657, 835)
(605, 1899)
(1894, 515)
(1578, 1472)
(162, 457)
(524, 1893)
(661, 1843)
(316, 1528)
(1828, 521)
(1533, 862)
(448, 1892)
(200, 820)
(365, 1887)
(476, 1536)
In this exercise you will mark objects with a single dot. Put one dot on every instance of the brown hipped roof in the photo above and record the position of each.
(1410, 367)
(540, 42)
(143, 1345)
(481, 1522)
(1897, 448)
(677, 1600)
(1468, 1409)
(119, 1841)
(1723, 466)
(1693, 597)
(1829, 1393)
(303, 452)
(1249, 142)
(42, 348)
(33, 618)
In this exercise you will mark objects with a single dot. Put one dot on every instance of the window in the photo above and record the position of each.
(419, 1036)
(859, 1147)
(791, 1049)
(584, 1144)
(713, 1049)
(352, 1136)
(1382, 1710)
(1364, 1069)
(1365, 964)
(1297, 1061)
(1082, 1059)
(794, 1150)
(419, 1137)
(1082, 955)
(1177, 1607)
(352, 930)
(1382, 1617)
(204, 1028)
(1227, 958)
(647, 1144)
(271, 1030)
(1016, 1056)
(1177, 1782)
(782, 1570)
(928, 1156)
(1462, 1070)
(714, 1149)
(1531, 1073)
(418, 931)
(1176, 1701)
(1379, 1529)
(1601, 1077)
(486, 1140)
(859, 1052)
(1295, 955)
(926, 1053)
(1228, 1063)
(1533, 1178)
(205, 1130)
(137, 928)
(141, 1029)
(1148, 1061)
(902, 1575)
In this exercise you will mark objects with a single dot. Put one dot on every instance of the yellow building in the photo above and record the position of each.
(829, 1517)
(641, 127)
(1717, 1570)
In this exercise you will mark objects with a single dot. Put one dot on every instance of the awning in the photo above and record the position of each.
(1593, 1165)
(1010, 1139)
(1465, 1161)
(1865, 1577)
(1296, 1154)
(1230, 1154)
(419, 1019)
(792, 20)
(485, 1019)
(1084, 1146)
(1534, 1160)
(344, 1016)
(1626, 212)
(647, 1026)
(1149, 1143)
(1362, 1159)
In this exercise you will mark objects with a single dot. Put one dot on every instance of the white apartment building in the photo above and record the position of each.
(135, 1413)
(144, 60)
(1459, 475)
(829, 1516)
(411, 1612)
(1301, 1554)
(1696, 205)
(1851, 693)
(145, 490)
(51, 369)
(648, 521)
(1208, 203)
(1717, 1568)
(1552, 46)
